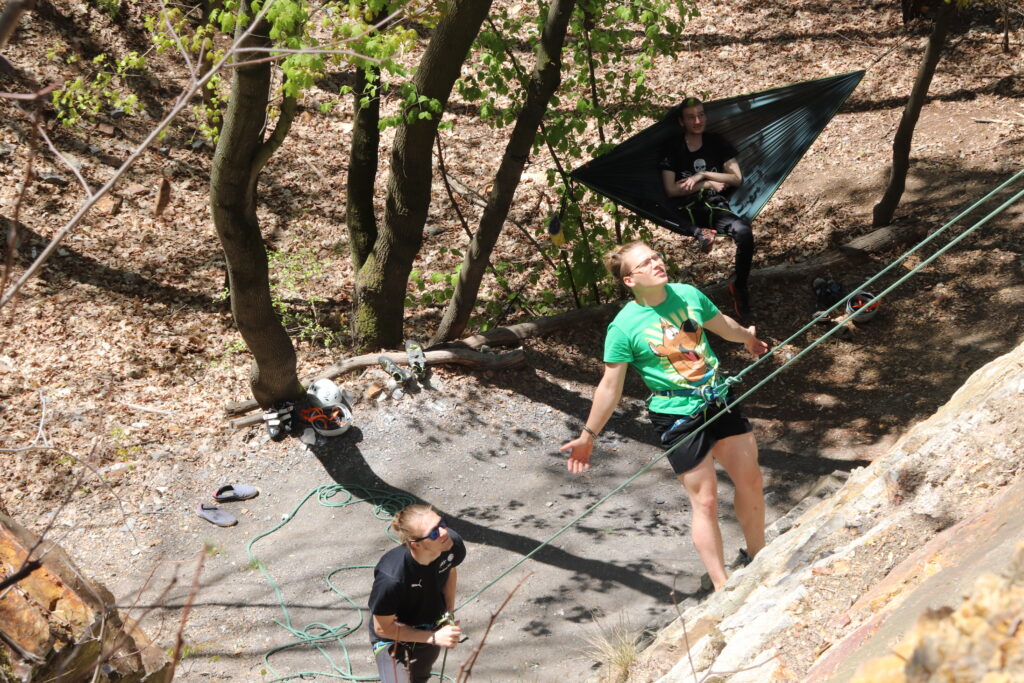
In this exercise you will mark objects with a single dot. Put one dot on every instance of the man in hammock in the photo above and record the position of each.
(662, 334)
(699, 171)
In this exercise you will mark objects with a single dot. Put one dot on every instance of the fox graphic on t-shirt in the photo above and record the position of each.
(679, 346)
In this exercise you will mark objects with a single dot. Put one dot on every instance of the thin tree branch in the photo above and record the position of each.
(181, 48)
(27, 568)
(37, 124)
(448, 188)
(30, 96)
(180, 639)
(467, 666)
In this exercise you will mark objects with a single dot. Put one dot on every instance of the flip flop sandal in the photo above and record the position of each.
(417, 360)
(232, 492)
(401, 375)
(214, 515)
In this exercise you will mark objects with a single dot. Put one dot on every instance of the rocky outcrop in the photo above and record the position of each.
(982, 640)
(56, 625)
(840, 583)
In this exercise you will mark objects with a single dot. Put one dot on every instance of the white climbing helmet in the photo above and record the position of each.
(329, 413)
(324, 392)
(864, 305)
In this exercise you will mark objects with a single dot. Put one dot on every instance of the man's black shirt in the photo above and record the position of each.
(413, 592)
(712, 155)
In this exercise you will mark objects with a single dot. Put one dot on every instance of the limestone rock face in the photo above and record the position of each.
(56, 625)
(982, 640)
(903, 539)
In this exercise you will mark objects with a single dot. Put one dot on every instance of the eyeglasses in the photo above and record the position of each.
(434, 533)
(646, 263)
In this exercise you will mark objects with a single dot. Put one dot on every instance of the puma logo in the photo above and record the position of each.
(679, 347)
(418, 584)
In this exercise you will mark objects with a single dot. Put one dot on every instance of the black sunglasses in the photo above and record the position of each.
(434, 533)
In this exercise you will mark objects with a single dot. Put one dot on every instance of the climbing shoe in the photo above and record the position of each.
(827, 293)
(417, 360)
(401, 375)
(743, 558)
(705, 239)
(741, 302)
(279, 420)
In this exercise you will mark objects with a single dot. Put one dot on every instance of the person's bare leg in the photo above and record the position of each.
(738, 455)
(701, 484)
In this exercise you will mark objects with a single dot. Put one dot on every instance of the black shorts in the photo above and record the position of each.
(674, 428)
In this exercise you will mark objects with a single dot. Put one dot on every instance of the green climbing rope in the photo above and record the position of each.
(318, 635)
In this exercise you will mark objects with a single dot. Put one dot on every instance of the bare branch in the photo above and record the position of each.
(467, 666)
(1008, 123)
(181, 49)
(30, 96)
(711, 673)
(86, 465)
(27, 568)
(277, 57)
(38, 125)
(448, 188)
(686, 637)
(179, 641)
(40, 431)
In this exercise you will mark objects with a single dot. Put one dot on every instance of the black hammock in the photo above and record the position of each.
(771, 130)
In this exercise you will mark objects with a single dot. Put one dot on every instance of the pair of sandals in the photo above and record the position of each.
(226, 494)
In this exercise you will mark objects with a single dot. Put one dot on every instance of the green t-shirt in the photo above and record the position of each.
(667, 345)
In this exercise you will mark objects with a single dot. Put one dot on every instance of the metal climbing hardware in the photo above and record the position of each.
(713, 392)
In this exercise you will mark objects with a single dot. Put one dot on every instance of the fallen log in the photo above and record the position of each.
(455, 356)
(853, 251)
(515, 334)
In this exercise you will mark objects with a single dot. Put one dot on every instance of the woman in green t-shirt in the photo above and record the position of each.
(662, 335)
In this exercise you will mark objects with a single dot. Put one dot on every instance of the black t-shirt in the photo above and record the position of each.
(413, 592)
(712, 155)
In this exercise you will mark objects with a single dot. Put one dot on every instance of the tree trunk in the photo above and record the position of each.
(382, 280)
(241, 154)
(886, 207)
(10, 16)
(362, 171)
(544, 81)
